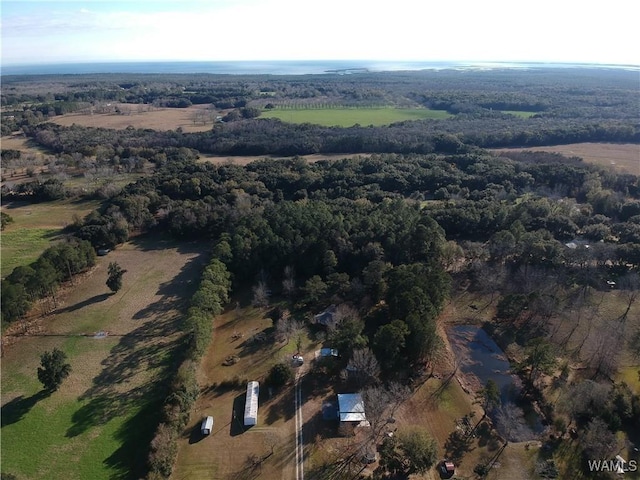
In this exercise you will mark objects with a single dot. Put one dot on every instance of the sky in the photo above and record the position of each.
(45, 32)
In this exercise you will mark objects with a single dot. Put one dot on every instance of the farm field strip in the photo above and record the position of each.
(246, 159)
(156, 119)
(347, 117)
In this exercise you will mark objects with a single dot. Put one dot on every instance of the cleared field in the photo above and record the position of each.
(347, 117)
(143, 116)
(223, 396)
(244, 160)
(98, 425)
(34, 227)
(622, 157)
(519, 113)
(19, 142)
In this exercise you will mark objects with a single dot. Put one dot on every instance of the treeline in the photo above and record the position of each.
(41, 279)
(207, 302)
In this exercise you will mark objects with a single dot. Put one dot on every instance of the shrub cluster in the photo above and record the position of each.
(207, 302)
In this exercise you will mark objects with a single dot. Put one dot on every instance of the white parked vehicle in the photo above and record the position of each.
(207, 425)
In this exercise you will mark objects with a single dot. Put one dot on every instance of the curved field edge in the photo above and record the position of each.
(99, 424)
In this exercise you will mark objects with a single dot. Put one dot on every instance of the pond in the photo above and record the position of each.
(480, 359)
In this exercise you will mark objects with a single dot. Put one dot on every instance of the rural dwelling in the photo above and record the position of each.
(326, 318)
(251, 404)
(351, 407)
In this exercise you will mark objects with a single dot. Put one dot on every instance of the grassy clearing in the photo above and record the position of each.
(519, 113)
(99, 424)
(631, 376)
(23, 246)
(346, 117)
(34, 227)
(209, 457)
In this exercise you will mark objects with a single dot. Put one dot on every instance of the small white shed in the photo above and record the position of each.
(251, 404)
(207, 425)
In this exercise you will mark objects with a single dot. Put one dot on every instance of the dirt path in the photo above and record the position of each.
(299, 443)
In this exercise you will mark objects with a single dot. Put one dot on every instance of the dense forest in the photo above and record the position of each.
(391, 233)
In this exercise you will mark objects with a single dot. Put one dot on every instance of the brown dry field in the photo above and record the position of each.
(19, 142)
(154, 118)
(244, 160)
(622, 157)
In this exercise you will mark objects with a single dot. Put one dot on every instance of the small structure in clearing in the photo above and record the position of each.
(251, 404)
(326, 318)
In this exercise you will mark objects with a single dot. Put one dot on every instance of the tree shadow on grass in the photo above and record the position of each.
(124, 389)
(281, 407)
(85, 303)
(175, 293)
(15, 410)
(457, 445)
(129, 461)
(257, 342)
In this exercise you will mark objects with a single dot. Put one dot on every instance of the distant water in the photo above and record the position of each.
(298, 67)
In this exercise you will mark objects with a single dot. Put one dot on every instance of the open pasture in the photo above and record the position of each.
(622, 157)
(192, 119)
(98, 425)
(34, 227)
(347, 117)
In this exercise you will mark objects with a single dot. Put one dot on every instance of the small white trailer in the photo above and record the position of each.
(207, 425)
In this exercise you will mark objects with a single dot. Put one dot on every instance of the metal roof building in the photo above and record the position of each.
(251, 404)
(351, 407)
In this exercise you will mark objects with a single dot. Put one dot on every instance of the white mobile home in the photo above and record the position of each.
(207, 425)
(251, 404)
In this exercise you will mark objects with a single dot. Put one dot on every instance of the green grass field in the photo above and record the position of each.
(519, 113)
(23, 245)
(34, 227)
(346, 117)
(98, 425)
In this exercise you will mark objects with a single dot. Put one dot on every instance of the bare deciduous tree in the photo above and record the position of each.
(381, 405)
(261, 294)
(289, 281)
(365, 367)
(288, 327)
